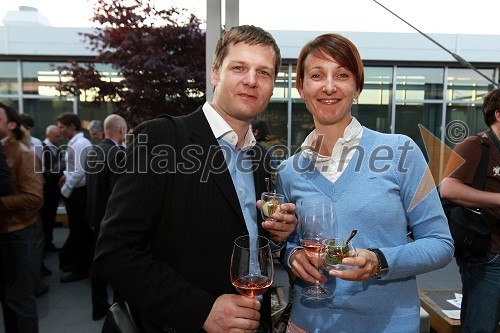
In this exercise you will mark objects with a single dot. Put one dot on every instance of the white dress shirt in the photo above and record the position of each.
(332, 166)
(76, 157)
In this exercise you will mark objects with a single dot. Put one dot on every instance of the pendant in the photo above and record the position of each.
(496, 171)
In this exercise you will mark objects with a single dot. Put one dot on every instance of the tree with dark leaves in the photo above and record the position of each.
(159, 53)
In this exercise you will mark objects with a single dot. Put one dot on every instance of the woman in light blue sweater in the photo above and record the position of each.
(378, 184)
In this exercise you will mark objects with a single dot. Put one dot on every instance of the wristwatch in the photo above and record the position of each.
(382, 262)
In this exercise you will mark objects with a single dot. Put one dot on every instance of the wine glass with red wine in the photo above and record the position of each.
(252, 269)
(316, 223)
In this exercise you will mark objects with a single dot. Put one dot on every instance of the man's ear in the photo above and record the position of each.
(214, 77)
(12, 126)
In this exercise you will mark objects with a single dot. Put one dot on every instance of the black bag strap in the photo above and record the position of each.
(494, 139)
(480, 177)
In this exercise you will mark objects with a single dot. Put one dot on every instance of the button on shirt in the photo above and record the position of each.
(331, 167)
(239, 164)
(76, 158)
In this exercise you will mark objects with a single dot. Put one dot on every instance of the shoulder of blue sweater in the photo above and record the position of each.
(386, 138)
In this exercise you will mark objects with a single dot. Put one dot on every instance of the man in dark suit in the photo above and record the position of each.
(53, 168)
(102, 163)
(167, 236)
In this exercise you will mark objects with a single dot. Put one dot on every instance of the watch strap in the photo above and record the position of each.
(382, 262)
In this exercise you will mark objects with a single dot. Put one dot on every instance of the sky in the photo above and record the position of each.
(429, 16)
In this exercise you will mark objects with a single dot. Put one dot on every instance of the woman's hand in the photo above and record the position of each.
(367, 263)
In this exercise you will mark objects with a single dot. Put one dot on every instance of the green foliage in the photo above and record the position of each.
(159, 53)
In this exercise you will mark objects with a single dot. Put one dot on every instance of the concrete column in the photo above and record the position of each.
(232, 13)
(214, 26)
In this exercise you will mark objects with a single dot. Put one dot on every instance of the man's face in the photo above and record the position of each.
(97, 135)
(66, 131)
(55, 136)
(244, 83)
(6, 127)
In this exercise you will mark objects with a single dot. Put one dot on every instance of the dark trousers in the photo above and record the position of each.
(79, 246)
(51, 198)
(17, 281)
(99, 286)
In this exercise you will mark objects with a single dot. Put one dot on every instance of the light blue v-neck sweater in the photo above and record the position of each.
(373, 195)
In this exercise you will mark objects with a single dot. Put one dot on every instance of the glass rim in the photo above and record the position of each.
(259, 237)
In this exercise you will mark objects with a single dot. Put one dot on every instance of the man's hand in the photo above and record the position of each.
(62, 180)
(306, 270)
(233, 313)
(284, 225)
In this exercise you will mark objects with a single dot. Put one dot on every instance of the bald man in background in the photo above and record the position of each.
(103, 163)
(52, 172)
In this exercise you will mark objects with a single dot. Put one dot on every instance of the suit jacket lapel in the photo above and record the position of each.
(216, 167)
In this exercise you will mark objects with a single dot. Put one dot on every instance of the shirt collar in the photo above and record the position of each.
(222, 130)
(4, 140)
(352, 131)
(75, 137)
(49, 143)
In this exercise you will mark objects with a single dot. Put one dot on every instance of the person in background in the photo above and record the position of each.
(53, 168)
(103, 163)
(18, 217)
(480, 310)
(372, 180)
(260, 130)
(29, 124)
(5, 176)
(96, 130)
(76, 255)
(172, 264)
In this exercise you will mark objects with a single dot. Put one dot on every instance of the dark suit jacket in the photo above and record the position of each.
(103, 161)
(171, 263)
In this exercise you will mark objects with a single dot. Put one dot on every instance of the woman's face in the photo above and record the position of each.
(328, 90)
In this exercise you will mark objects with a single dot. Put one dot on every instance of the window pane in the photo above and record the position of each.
(471, 122)
(8, 77)
(373, 106)
(41, 78)
(281, 84)
(276, 116)
(88, 112)
(302, 124)
(419, 83)
(409, 116)
(467, 85)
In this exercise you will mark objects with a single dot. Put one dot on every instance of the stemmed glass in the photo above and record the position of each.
(252, 269)
(316, 224)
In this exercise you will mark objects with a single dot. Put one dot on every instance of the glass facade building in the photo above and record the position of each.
(402, 89)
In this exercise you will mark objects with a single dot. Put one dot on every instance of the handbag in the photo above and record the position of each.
(119, 319)
(470, 228)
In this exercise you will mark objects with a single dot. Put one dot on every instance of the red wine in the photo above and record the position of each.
(252, 285)
(313, 248)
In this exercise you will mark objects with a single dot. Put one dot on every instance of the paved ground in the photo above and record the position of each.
(66, 308)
